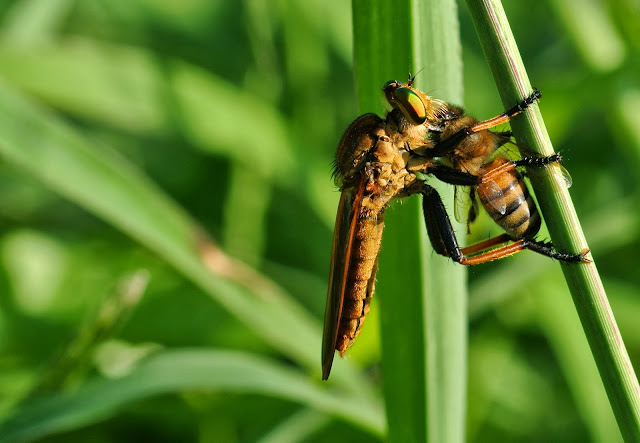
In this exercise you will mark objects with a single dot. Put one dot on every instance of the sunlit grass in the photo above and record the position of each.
(129, 129)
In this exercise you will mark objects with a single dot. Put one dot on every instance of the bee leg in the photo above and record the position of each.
(543, 248)
(546, 248)
(505, 116)
(529, 162)
(447, 145)
(444, 241)
(538, 161)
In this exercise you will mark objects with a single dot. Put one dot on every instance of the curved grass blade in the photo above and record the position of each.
(107, 185)
(180, 370)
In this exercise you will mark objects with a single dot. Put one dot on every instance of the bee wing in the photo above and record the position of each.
(513, 151)
(464, 203)
(343, 235)
(559, 173)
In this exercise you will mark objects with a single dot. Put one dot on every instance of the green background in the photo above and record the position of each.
(230, 112)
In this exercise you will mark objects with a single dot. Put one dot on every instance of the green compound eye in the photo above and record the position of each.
(411, 105)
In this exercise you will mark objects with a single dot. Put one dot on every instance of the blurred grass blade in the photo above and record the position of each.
(583, 280)
(104, 183)
(593, 32)
(75, 360)
(180, 370)
(383, 51)
(423, 297)
(29, 22)
(299, 427)
(559, 322)
(438, 51)
(114, 78)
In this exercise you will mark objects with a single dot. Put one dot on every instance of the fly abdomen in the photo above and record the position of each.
(360, 280)
(509, 203)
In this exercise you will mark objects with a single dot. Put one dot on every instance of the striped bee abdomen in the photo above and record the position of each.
(509, 203)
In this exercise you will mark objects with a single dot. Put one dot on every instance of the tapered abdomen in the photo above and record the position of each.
(360, 281)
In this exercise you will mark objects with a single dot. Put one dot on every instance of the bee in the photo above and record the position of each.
(378, 160)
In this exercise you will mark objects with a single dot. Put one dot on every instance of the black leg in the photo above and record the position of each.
(524, 104)
(444, 241)
(443, 238)
(453, 176)
(546, 248)
(538, 161)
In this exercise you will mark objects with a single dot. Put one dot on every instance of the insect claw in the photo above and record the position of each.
(583, 255)
(536, 94)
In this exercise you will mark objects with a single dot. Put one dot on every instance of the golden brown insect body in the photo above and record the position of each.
(373, 166)
(377, 160)
(503, 191)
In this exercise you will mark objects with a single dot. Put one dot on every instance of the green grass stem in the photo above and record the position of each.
(583, 280)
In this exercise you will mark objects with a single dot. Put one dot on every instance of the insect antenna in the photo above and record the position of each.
(412, 78)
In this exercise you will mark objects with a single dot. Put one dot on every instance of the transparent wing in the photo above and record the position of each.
(463, 203)
(466, 206)
(560, 174)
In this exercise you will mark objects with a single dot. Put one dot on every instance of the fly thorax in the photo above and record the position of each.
(418, 164)
(401, 160)
(417, 136)
(409, 179)
(405, 130)
(385, 151)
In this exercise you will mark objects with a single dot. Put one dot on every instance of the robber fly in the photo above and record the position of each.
(378, 160)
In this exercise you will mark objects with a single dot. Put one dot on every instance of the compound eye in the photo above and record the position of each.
(389, 90)
(411, 105)
(390, 83)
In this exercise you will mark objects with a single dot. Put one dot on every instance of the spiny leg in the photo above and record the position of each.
(507, 115)
(543, 248)
(444, 241)
(447, 145)
(529, 162)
